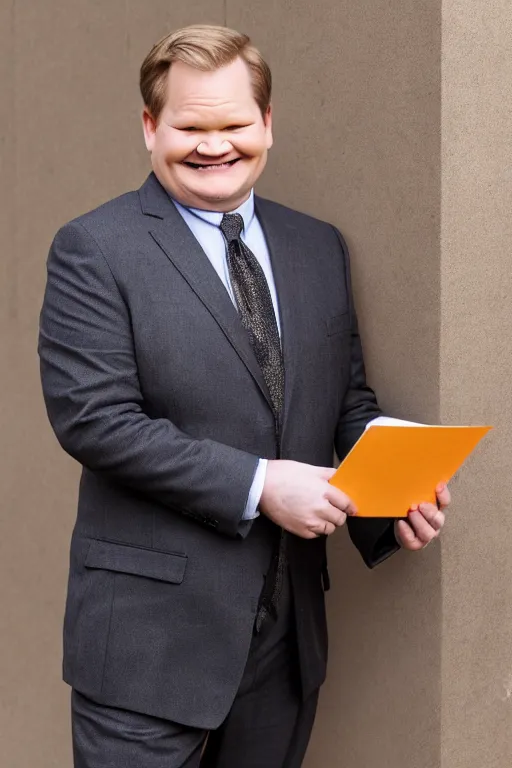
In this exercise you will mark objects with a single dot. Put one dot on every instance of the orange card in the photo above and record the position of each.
(392, 467)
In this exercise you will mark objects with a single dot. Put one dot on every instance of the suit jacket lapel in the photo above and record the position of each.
(285, 254)
(180, 246)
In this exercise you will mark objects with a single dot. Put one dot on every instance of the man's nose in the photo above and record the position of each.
(214, 145)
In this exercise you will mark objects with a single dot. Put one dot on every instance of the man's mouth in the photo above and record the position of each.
(212, 166)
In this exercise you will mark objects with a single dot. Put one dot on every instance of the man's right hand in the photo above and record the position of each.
(299, 498)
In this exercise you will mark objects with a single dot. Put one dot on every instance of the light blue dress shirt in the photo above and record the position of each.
(205, 226)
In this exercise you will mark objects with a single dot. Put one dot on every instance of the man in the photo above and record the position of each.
(200, 358)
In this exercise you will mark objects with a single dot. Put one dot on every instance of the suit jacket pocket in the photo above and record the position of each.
(125, 558)
(338, 324)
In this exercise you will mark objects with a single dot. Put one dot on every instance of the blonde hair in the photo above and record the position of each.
(206, 48)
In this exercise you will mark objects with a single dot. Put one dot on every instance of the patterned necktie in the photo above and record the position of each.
(256, 311)
(255, 306)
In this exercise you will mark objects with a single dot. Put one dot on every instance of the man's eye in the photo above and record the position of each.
(234, 127)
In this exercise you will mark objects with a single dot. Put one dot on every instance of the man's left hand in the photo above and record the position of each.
(424, 522)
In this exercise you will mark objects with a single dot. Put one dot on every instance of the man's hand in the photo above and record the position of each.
(299, 498)
(424, 522)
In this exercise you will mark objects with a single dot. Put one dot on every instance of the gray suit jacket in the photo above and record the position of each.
(151, 384)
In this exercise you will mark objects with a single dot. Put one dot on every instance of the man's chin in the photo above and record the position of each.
(221, 194)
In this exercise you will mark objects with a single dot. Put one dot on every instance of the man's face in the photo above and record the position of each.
(210, 143)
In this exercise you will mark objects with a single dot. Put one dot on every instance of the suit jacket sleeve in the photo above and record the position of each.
(96, 407)
(374, 538)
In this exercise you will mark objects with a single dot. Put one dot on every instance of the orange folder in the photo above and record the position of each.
(390, 468)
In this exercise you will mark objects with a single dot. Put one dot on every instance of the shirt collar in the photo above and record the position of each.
(246, 210)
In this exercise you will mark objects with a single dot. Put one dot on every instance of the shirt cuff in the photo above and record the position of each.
(251, 508)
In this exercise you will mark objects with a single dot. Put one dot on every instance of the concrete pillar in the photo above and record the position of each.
(475, 380)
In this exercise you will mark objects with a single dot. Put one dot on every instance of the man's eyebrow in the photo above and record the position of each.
(231, 121)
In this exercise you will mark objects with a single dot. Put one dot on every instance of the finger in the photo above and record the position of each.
(444, 496)
(340, 500)
(433, 515)
(421, 527)
(408, 538)
(332, 515)
(341, 518)
(322, 528)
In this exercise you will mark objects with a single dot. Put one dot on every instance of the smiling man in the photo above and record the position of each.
(200, 358)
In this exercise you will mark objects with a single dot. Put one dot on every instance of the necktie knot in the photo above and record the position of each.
(231, 226)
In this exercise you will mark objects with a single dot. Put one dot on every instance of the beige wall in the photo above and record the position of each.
(421, 668)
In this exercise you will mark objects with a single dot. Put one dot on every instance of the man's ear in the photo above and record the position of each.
(149, 128)
(267, 119)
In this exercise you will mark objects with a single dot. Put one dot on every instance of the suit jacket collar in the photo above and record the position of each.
(180, 246)
(154, 200)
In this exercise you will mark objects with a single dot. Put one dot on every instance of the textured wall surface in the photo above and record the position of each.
(420, 666)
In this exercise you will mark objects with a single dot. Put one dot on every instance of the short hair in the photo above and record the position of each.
(206, 48)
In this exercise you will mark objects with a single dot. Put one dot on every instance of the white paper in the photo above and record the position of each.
(388, 421)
